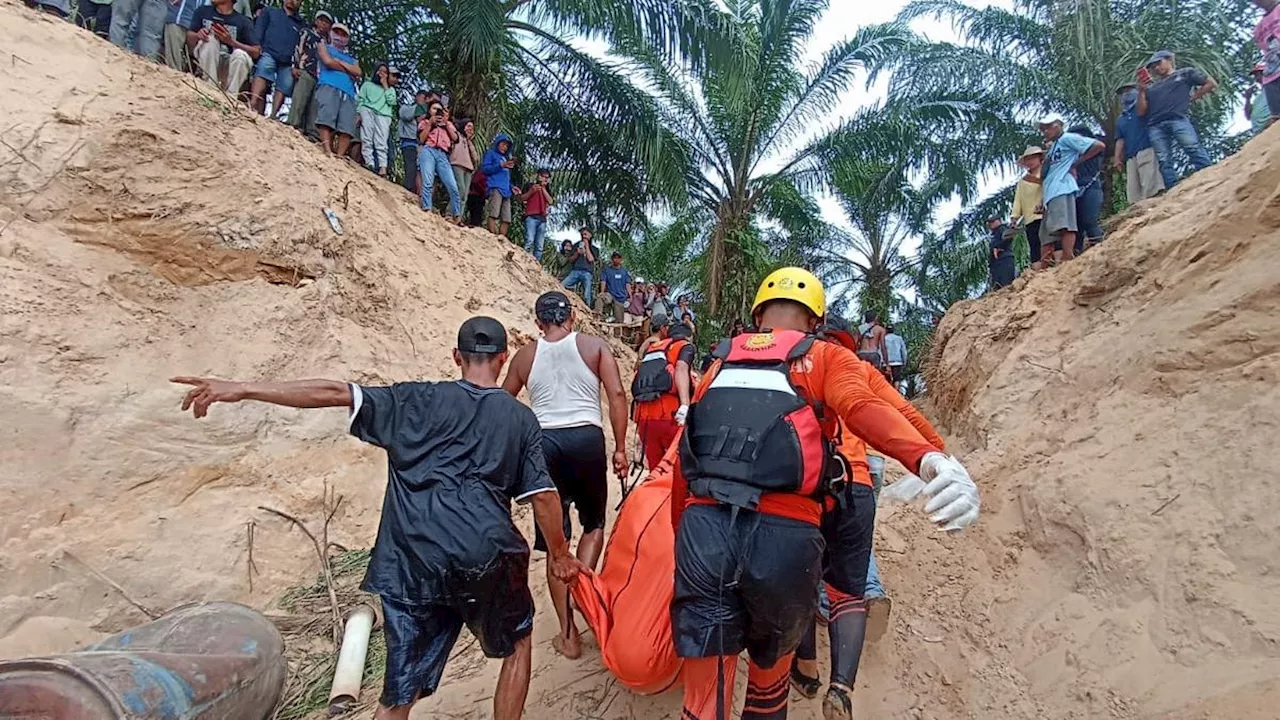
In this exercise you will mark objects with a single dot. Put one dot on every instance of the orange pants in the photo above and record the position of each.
(767, 690)
(656, 436)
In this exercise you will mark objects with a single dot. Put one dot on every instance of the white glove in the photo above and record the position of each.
(682, 414)
(953, 497)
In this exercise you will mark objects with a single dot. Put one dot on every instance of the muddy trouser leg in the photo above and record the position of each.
(848, 529)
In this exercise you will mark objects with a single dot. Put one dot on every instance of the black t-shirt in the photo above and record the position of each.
(238, 26)
(457, 455)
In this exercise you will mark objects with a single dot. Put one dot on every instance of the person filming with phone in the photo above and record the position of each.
(1165, 94)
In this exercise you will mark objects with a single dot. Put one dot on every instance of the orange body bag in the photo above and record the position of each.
(628, 603)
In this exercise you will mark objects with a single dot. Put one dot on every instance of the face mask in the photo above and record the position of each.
(339, 41)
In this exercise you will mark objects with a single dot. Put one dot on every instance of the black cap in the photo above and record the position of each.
(680, 331)
(616, 254)
(482, 335)
(552, 308)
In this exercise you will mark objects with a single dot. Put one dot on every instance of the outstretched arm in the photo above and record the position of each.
(297, 393)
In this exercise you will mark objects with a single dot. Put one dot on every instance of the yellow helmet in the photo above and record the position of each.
(796, 284)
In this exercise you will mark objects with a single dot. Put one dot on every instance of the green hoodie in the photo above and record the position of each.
(380, 100)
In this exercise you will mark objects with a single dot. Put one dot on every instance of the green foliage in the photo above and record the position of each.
(518, 66)
(1069, 57)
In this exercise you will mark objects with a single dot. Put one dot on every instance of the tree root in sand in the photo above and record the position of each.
(326, 570)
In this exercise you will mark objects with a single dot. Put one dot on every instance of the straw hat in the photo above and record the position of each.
(1031, 150)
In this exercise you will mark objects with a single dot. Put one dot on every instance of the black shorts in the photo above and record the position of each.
(872, 357)
(579, 467)
(895, 373)
(751, 585)
(495, 606)
(847, 530)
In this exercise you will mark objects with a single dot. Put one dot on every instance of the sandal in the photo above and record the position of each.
(837, 705)
(805, 685)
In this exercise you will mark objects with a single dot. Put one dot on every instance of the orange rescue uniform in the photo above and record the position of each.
(832, 377)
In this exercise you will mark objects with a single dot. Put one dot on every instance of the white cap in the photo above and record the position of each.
(1050, 120)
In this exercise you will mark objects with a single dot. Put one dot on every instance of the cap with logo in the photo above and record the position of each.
(482, 335)
(552, 307)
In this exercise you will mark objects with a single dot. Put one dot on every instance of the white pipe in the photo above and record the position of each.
(349, 674)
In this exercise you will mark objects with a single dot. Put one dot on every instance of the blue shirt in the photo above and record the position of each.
(897, 347)
(276, 32)
(181, 13)
(616, 280)
(1066, 150)
(337, 78)
(1170, 98)
(1131, 129)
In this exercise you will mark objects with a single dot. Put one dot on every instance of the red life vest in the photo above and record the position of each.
(753, 431)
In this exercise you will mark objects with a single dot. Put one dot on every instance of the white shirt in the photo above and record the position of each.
(563, 391)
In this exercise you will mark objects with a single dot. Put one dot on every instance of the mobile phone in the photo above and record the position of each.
(1144, 75)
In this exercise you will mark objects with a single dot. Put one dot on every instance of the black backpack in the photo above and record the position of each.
(655, 376)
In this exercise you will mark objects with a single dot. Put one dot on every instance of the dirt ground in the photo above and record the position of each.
(1113, 411)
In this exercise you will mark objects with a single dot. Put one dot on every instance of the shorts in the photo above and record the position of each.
(498, 207)
(872, 357)
(1059, 217)
(496, 607)
(1142, 176)
(579, 468)
(335, 110)
(896, 373)
(745, 583)
(847, 530)
(278, 74)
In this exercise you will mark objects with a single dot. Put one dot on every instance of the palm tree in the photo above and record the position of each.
(1070, 56)
(521, 66)
(742, 119)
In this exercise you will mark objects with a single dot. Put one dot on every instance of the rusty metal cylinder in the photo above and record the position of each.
(207, 660)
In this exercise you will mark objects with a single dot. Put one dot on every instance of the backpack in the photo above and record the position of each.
(752, 431)
(656, 374)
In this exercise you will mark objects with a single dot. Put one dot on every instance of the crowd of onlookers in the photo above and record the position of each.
(271, 58)
(1059, 200)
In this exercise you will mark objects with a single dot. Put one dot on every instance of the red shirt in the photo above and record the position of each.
(535, 201)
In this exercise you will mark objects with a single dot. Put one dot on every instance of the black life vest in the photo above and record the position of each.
(753, 431)
(656, 374)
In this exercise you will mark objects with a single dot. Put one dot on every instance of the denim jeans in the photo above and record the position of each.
(150, 15)
(1180, 130)
(1089, 215)
(535, 235)
(433, 161)
(409, 153)
(583, 278)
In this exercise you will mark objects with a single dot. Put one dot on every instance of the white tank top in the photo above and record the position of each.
(563, 390)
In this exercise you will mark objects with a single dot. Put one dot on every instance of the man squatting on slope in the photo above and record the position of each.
(447, 553)
(563, 371)
(756, 458)
(848, 523)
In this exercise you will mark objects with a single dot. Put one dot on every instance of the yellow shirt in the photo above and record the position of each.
(1026, 198)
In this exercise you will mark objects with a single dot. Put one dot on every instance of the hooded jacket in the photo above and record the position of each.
(499, 178)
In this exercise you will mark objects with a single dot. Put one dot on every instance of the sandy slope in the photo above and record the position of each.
(1114, 410)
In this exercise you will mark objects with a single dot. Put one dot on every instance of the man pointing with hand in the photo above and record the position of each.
(447, 553)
